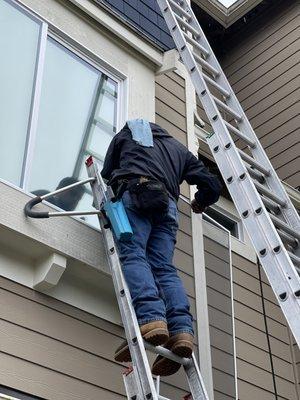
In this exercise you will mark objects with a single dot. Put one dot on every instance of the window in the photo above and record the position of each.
(56, 108)
(11, 394)
(228, 223)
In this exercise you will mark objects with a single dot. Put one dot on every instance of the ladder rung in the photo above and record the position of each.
(241, 135)
(177, 7)
(194, 43)
(257, 175)
(187, 26)
(294, 258)
(215, 84)
(228, 109)
(271, 205)
(282, 225)
(206, 65)
(288, 238)
(267, 192)
(162, 351)
(253, 162)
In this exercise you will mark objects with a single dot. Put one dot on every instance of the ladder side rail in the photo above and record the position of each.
(140, 362)
(272, 254)
(195, 380)
(289, 212)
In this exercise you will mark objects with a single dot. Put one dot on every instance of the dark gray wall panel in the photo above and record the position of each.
(145, 16)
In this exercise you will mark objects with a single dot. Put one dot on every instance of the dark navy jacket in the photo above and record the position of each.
(168, 161)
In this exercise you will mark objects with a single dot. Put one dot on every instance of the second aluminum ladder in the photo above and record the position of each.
(266, 210)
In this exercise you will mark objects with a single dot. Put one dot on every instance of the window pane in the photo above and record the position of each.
(19, 36)
(67, 95)
(68, 126)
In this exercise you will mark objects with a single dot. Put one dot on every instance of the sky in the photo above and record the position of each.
(227, 3)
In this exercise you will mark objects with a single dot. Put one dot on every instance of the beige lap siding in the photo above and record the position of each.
(253, 356)
(55, 351)
(263, 69)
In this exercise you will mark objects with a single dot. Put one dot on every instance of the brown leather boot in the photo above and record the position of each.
(181, 345)
(155, 332)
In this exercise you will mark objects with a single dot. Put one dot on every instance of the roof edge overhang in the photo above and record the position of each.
(227, 15)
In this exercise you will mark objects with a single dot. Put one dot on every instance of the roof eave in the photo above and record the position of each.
(227, 15)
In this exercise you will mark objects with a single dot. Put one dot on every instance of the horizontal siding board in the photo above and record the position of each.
(171, 85)
(220, 320)
(185, 224)
(219, 301)
(57, 356)
(249, 316)
(250, 391)
(167, 97)
(218, 283)
(223, 382)
(257, 107)
(268, 83)
(184, 261)
(221, 340)
(170, 114)
(216, 249)
(222, 360)
(184, 242)
(176, 78)
(275, 24)
(265, 57)
(174, 130)
(252, 373)
(217, 265)
(47, 384)
(288, 142)
(278, 107)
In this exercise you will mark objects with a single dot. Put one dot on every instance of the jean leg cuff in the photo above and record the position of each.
(173, 333)
(147, 320)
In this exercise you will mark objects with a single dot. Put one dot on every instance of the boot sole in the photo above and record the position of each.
(165, 367)
(156, 337)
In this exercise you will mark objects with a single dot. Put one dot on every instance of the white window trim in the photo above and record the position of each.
(103, 18)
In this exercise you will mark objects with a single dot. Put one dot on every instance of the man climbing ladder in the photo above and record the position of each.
(145, 166)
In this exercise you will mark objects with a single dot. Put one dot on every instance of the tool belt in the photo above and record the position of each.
(147, 194)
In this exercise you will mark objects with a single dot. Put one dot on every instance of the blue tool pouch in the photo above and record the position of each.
(117, 216)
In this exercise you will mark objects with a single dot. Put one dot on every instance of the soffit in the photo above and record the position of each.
(227, 15)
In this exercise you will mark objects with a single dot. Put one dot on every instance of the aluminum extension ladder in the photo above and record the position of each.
(138, 380)
(267, 212)
(139, 383)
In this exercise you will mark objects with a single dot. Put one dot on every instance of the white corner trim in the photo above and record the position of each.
(49, 271)
(120, 30)
(198, 248)
(170, 62)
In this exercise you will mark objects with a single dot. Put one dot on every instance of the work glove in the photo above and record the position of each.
(197, 208)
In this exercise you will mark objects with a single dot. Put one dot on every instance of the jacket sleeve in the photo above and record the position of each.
(208, 185)
(111, 161)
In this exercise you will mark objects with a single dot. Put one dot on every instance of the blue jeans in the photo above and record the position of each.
(156, 290)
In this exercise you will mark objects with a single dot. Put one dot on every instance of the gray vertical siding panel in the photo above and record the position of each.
(264, 72)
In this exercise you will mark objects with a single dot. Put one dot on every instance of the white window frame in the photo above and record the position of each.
(48, 30)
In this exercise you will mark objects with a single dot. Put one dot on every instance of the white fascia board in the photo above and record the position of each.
(227, 15)
(120, 30)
